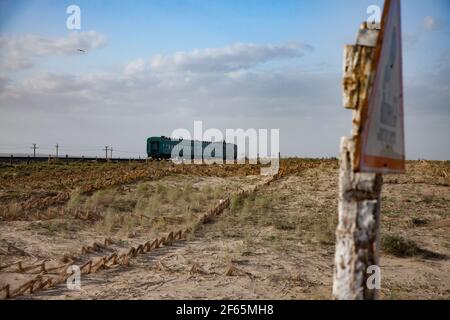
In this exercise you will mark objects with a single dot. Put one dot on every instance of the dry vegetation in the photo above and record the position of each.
(26, 190)
(276, 243)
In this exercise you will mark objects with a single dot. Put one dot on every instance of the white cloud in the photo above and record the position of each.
(207, 81)
(145, 99)
(238, 56)
(432, 24)
(135, 66)
(19, 52)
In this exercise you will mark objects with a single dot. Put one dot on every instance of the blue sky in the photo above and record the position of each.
(151, 27)
(133, 30)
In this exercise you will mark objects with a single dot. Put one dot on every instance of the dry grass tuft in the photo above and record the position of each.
(399, 246)
(403, 247)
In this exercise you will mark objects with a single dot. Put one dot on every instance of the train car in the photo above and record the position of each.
(164, 147)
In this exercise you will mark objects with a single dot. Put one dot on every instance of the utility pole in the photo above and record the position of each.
(111, 151)
(57, 149)
(370, 66)
(359, 206)
(34, 147)
(106, 152)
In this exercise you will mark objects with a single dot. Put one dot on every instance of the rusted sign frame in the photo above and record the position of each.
(378, 164)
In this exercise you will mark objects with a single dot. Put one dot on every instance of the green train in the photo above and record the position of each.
(163, 148)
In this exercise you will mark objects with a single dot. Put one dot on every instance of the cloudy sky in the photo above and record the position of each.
(150, 67)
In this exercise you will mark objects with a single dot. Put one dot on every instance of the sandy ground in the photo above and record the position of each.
(278, 244)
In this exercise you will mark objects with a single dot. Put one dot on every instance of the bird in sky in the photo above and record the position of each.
(81, 50)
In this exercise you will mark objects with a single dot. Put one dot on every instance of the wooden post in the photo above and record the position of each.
(11, 160)
(358, 230)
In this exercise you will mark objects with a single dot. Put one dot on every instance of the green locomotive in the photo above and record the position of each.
(164, 148)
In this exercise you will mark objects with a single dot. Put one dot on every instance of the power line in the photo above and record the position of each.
(57, 149)
(17, 148)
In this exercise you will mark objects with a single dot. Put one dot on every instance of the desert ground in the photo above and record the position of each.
(271, 240)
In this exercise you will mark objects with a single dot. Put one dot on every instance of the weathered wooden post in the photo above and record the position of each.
(372, 88)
